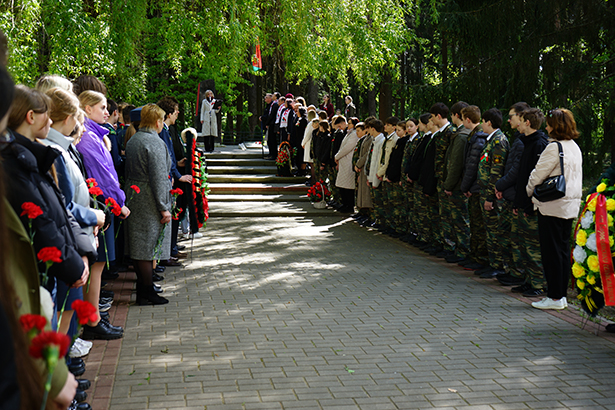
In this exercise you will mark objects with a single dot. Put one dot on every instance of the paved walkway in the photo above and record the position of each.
(292, 313)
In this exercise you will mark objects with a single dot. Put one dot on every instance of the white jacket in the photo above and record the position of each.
(346, 176)
(547, 166)
(389, 144)
(375, 160)
(306, 143)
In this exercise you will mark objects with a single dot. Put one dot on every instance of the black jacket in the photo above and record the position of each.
(413, 169)
(533, 145)
(393, 172)
(507, 184)
(476, 142)
(428, 178)
(27, 165)
(273, 112)
(324, 147)
(336, 143)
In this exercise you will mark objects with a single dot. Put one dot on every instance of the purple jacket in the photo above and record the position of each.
(98, 162)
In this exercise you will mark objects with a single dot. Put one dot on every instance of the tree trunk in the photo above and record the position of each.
(371, 101)
(385, 109)
(254, 103)
(312, 94)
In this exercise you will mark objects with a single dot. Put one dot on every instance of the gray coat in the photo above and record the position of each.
(364, 199)
(147, 166)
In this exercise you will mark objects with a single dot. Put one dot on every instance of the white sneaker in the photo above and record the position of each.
(197, 235)
(548, 303)
(78, 350)
(85, 343)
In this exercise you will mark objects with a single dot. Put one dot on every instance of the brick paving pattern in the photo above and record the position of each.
(293, 313)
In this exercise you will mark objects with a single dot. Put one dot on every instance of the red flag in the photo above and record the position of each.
(257, 61)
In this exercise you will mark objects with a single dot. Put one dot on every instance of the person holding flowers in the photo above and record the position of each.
(555, 217)
(147, 166)
(99, 165)
(20, 291)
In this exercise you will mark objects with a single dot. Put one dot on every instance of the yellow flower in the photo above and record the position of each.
(591, 280)
(581, 237)
(592, 205)
(593, 263)
(601, 187)
(610, 204)
(577, 270)
(580, 284)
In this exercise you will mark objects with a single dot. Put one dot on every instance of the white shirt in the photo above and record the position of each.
(375, 161)
(491, 135)
(413, 136)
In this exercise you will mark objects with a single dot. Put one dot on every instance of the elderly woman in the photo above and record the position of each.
(147, 166)
(209, 120)
(555, 217)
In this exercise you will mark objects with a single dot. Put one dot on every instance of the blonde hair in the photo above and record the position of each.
(47, 82)
(63, 104)
(26, 99)
(151, 113)
(90, 98)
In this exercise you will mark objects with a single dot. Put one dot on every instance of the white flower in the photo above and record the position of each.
(591, 242)
(579, 254)
(587, 220)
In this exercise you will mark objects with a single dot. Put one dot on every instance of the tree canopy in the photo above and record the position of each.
(394, 56)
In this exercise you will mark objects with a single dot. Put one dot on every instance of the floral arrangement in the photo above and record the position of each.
(175, 210)
(200, 187)
(592, 267)
(319, 192)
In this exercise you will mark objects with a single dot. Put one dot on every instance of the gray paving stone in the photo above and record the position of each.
(300, 313)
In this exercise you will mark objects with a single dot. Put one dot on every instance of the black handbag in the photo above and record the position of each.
(553, 187)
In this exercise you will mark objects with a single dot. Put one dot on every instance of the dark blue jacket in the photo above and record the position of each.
(476, 142)
(507, 184)
(165, 135)
(533, 144)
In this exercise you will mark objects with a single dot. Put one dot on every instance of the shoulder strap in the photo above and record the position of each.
(561, 156)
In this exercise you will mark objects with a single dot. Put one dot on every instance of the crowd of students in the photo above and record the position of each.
(75, 166)
(461, 190)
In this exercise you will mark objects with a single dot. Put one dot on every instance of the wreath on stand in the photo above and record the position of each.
(285, 154)
(592, 254)
(197, 164)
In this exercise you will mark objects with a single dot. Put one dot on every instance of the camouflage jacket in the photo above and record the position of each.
(492, 163)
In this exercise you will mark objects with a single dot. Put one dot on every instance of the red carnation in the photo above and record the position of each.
(176, 191)
(95, 191)
(135, 188)
(86, 312)
(50, 254)
(30, 321)
(31, 210)
(39, 348)
(115, 207)
(91, 182)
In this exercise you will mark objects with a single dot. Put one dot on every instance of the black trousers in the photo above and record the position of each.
(209, 142)
(554, 235)
(347, 198)
(272, 142)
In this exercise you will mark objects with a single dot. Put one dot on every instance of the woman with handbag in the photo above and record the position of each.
(560, 167)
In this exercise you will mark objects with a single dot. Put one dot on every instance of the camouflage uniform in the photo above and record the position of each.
(529, 250)
(478, 233)
(445, 235)
(490, 170)
(409, 191)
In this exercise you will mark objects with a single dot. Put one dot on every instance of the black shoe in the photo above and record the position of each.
(466, 261)
(83, 384)
(510, 280)
(110, 326)
(157, 288)
(83, 406)
(610, 328)
(156, 277)
(491, 274)
(160, 269)
(80, 396)
(110, 275)
(344, 210)
(479, 272)
(435, 250)
(181, 247)
(531, 292)
(474, 266)
(100, 332)
(444, 254)
(77, 369)
(455, 259)
(523, 288)
(107, 294)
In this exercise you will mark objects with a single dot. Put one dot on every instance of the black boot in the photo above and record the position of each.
(148, 296)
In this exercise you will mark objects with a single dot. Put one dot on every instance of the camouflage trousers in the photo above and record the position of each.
(418, 214)
(320, 174)
(378, 203)
(447, 236)
(408, 199)
(511, 240)
(496, 229)
(478, 235)
(430, 219)
(460, 221)
(394, 206)
(529, 250)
